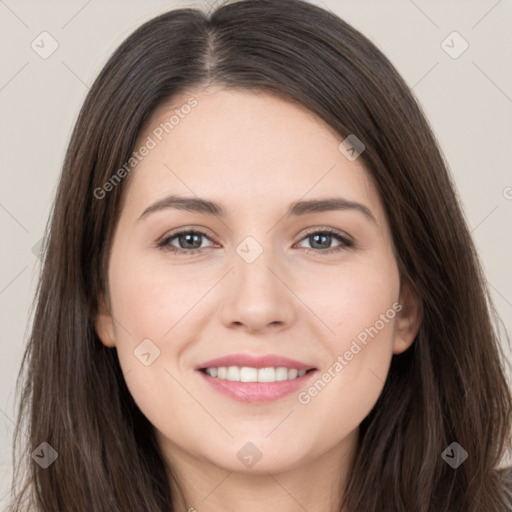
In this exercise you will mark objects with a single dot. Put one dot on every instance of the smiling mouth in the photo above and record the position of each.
(247, 374)
(241, 383)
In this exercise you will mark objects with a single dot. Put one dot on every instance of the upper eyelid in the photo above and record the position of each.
(200, 231)
(334, 231)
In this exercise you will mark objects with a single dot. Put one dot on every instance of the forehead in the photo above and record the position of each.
(243, 147)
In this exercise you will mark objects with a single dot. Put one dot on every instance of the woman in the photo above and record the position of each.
(247, 369)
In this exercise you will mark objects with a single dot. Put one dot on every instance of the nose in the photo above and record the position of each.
(258, 296)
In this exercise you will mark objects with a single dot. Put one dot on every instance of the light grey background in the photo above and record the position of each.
(468, 101)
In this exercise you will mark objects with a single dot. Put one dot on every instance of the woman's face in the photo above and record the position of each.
(261, 277)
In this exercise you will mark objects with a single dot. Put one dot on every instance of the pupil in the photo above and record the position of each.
(315, 237)
(188, 237)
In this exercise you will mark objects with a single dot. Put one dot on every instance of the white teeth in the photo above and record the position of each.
(248, 374)
(266, 375)
(233, 373)
(281, 373)
(292, 374)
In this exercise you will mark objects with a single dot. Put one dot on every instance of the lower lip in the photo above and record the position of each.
(256, 392)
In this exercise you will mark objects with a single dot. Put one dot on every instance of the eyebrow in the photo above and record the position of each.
(199, 205)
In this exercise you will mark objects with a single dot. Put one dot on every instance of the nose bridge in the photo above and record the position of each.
(256, 296)
(260, 248)
(256, 265)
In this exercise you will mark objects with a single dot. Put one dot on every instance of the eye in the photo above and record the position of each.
(321, 238)
(189, 241)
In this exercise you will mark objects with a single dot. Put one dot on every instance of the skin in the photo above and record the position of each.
(255, 154)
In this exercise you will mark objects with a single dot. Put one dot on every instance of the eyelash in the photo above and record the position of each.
(345, 242)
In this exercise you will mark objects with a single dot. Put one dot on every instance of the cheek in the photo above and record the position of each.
(153, 308)
(354, 299)
(151, 298)
(360, 306)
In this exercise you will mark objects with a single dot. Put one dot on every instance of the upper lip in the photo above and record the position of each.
(253, 361)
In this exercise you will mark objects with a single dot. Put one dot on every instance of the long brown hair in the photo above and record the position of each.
(450, 386)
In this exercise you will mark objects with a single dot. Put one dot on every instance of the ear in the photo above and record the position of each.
(408, 319)
(105, 324)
